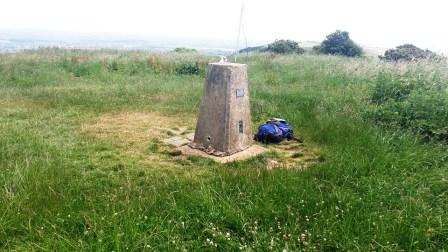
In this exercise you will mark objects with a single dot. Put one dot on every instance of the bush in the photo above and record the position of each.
(389, 87)
(185, 50)
(284, 47)
(408, 52)
(412, 103)
(188, 69)
(339, 43)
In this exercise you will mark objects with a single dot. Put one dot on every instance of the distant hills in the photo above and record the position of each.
(12, 41)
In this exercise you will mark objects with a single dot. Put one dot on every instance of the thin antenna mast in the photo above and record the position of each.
(239, 29)
(245, 39)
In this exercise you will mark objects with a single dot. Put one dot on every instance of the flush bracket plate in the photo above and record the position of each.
(239, 92)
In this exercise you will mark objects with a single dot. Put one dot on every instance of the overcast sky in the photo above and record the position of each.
(382, 23)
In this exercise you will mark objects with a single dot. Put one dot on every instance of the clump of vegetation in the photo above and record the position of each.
(409, 52)
(340, 43)
(285, 47)
(412, 102)
(185, 50)
(190, 64)
(188, 68)
(316, 49)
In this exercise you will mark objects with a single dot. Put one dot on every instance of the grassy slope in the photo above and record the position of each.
(64, 190)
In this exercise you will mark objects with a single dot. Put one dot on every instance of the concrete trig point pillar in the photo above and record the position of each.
(224, 122)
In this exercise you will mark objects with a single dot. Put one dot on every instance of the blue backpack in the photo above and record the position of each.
(274, 131)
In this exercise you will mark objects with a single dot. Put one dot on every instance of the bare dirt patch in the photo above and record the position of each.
(138, 132)
(135, 131)
(136, 127)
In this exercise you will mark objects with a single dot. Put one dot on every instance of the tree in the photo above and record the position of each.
(408, 52)
(285, 46)
(339, 43)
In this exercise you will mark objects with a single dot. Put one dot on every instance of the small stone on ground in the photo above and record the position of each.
(176, 141)
(190, 136)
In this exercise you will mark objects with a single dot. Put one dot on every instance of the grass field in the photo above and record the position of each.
(82, 167)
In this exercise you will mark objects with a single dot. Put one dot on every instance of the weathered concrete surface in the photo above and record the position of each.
(190, 136)
(250, 152)
(176, 141)
(224, 122)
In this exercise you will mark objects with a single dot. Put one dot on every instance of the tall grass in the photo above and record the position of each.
(377, 186)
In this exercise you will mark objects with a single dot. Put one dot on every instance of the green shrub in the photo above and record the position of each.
(411, 102)
(340, 43)
(188, 69)
(391, 87)
(409, 52)
(284, 47)
(185, 50)
(423, 114)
